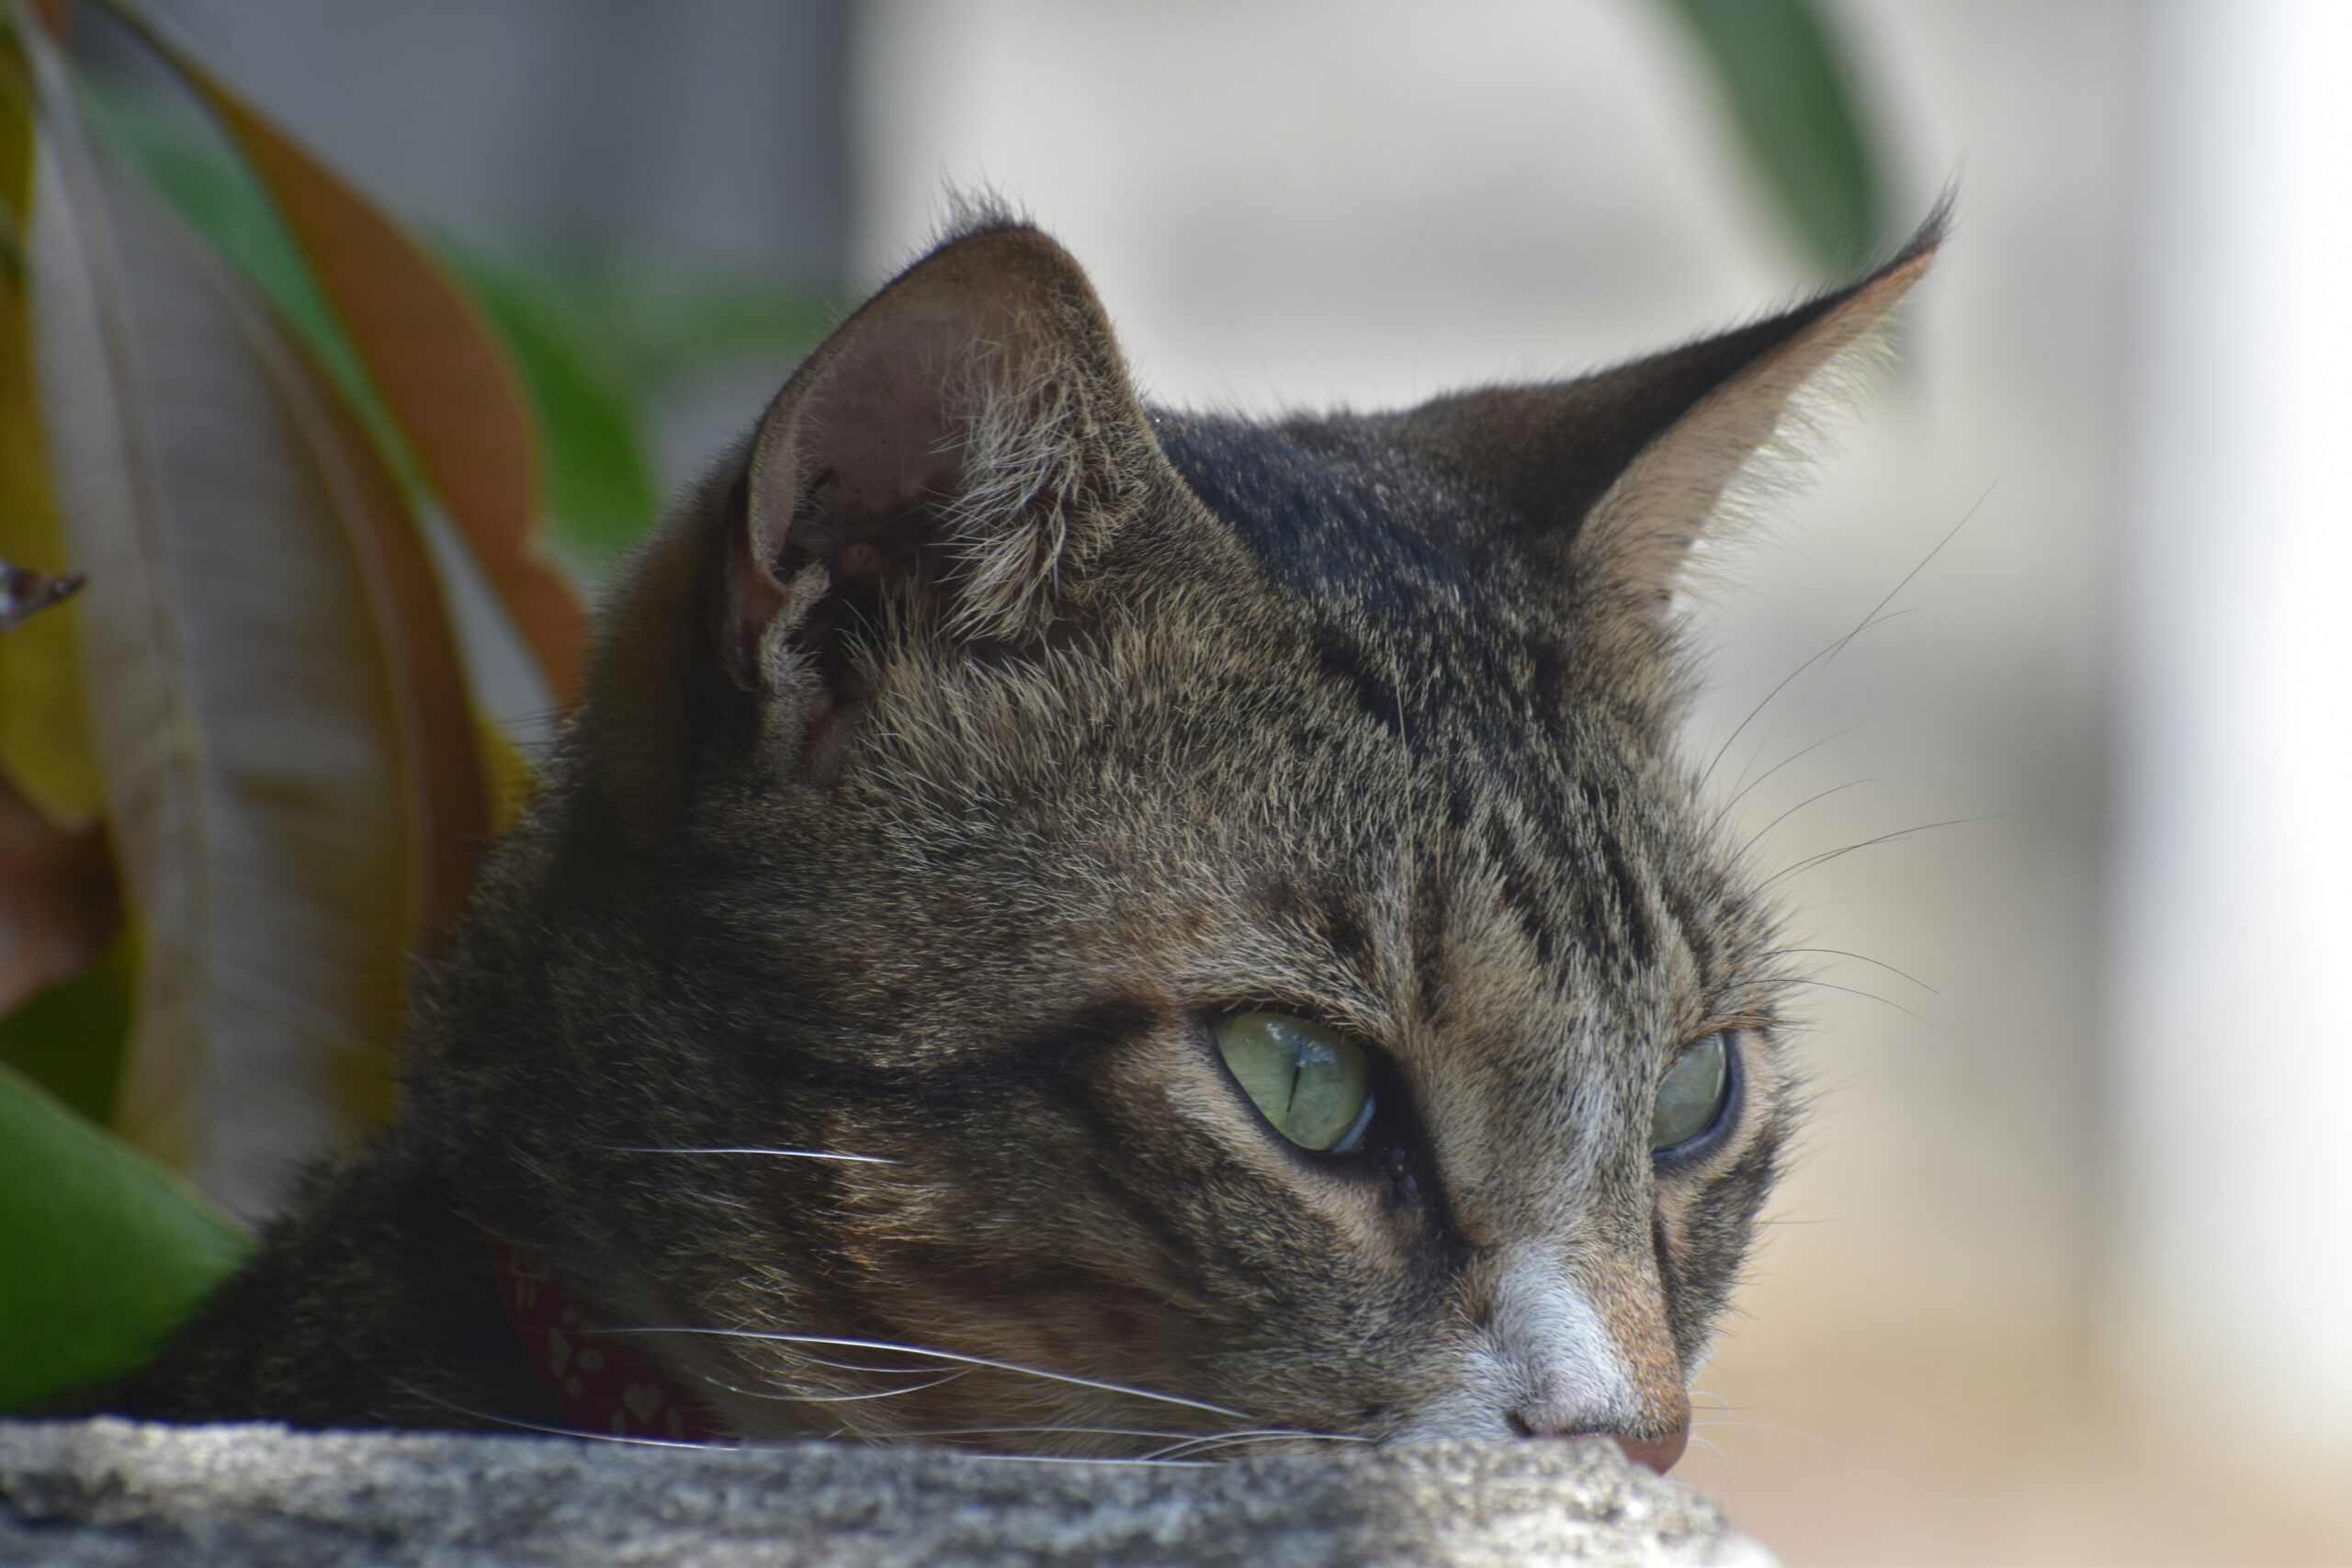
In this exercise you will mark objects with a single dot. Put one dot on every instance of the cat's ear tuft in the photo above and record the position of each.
(960, 451)
(1616, 475)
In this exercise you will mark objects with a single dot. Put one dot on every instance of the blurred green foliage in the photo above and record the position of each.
(106, 1251)
(1791, 99)
(597, 346)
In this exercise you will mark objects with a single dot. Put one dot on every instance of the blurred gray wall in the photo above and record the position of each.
(711, 134)
(700, 139)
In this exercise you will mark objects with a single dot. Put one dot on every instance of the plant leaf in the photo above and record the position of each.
(58, 904)
(69, 1038)
(44, 740)
(1788, 94)
(600, 482)
(436, 366)
(290, 768)
(107, 1253)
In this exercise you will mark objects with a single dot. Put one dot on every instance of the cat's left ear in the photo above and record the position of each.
(1617, 474)
(964, 445)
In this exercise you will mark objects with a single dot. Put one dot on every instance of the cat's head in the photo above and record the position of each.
(1217, 905)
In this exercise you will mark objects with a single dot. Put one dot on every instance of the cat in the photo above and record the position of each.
(1067, 927)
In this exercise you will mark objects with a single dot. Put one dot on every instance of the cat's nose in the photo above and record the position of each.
(1660, 1454)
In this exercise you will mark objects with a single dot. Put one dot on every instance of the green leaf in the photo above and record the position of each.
(654, 331)
(69, 1037)
(106, 1252)
(1789, 95)
(601, 487)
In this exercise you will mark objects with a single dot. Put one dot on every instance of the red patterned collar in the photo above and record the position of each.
(602, 1385)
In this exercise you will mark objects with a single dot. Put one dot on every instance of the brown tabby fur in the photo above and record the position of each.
(950, 758)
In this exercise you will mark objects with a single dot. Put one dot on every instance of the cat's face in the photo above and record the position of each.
(1221, 898)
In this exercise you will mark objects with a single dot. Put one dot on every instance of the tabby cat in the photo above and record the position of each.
(1067, 927)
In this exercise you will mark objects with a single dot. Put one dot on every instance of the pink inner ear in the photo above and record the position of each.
(872, 449)
(864, 463)
(881, 442)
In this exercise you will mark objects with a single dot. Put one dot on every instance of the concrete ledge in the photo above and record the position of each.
(112, 1493)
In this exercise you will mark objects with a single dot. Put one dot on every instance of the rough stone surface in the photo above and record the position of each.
(111, 1494)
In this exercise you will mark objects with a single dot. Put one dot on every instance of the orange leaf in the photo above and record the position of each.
(436, 366)
(452, 784)
(59, 905)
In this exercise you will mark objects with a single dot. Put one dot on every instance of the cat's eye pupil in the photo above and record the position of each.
(1312, 1083)
(1691, 1097)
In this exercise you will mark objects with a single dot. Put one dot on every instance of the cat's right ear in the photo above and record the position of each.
(1616, 475)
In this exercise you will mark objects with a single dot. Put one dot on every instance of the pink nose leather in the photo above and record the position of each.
(1660, 1454)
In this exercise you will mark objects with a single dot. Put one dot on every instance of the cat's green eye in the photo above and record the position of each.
(1690, 1098)
(1312, 1083)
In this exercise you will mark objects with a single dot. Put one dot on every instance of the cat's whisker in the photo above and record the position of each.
(1084, 1458)
(1765, 1427)
(1874, 619)
(829, 1364)
(545, 1429)
(745, 1149)
(1196, 1447)
(842, 1342)
(1758, 836)
(1744, 791)
(1795, 982)
(1827, 855)
(1711, 1447)
(1915, 571)
(1859, 958)
(1877, 616)
(1041, 1430)
(784, 1397)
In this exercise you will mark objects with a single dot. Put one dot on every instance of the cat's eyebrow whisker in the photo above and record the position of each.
(1796, 981)
(1874, 619)
(1744, 791)
(1758, 836)
(1860, 958)
(1879, 616)
(744, 1149)
(1827, 855)
(1923, 565)
(779, 1337)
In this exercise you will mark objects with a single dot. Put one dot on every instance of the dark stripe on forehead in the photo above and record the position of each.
(1332, 512)
(1347, 663)
(1631, 926)
(1522, 888)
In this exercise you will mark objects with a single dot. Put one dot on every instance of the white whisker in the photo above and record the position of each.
(1261, 1434)
(747, 1149)
(778, 1337)
(784, 1398)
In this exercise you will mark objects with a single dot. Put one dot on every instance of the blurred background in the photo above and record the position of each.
(2064, 1274)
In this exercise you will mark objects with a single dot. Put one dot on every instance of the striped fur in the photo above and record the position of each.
(954, 754)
